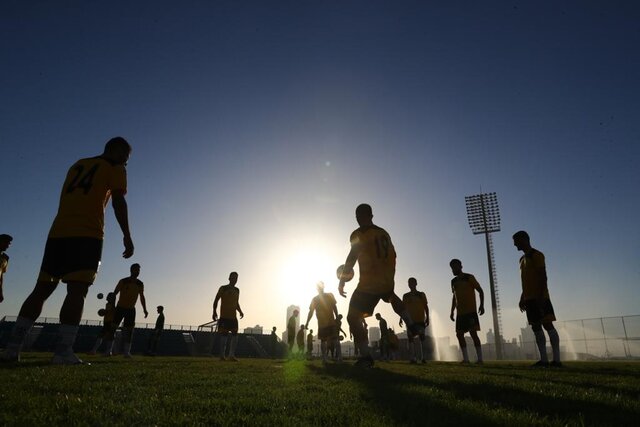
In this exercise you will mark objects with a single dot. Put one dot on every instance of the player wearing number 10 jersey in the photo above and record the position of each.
(74, 246)
(372, 248)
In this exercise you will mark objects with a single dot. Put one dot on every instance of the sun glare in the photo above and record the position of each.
(302, 270)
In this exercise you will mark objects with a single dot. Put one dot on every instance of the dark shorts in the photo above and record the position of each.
(365, 303)
(327, 332)
(539, 311)
(128, 314)
(106, 328)
(467, 322)
(71, 259)
(228, 325)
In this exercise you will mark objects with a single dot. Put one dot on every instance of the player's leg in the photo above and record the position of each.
(70, 315)
(118, 315)
(128, 326)
(401, 310)
(361, 305)
(423, 351)
(29, 312)
(477, 345)
(541, 342)
(463, 346)
(554, 339)
(233, 345)
(411, 343)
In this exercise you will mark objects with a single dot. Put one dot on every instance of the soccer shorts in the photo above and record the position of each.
(128, 314)
(364, 303)
(71, 259)
(327, 332)
(467, 322)
(539, 311)
(228, 325)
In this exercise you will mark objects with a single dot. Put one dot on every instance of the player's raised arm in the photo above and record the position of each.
(121, 212)
(481, 293)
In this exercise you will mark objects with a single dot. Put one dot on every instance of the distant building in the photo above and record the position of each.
(256, 330)
(491, 337)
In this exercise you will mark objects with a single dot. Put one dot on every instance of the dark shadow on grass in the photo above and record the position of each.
(389, 395)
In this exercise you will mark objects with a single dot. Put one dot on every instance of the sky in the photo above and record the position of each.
(258, 127)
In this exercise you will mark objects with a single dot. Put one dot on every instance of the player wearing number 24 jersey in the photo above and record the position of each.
(74, 246)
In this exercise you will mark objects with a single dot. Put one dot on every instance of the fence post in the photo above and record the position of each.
(604, 335)
(626, 339)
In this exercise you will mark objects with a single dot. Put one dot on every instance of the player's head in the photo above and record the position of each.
(521, 240)
(364, 214)
(160, 309)
(302, 327)
(118, 150)
(273, 329)
(311, 331)
(320, 287)
(378, 316)
(456, 266)
(135, 270)
(111, 297)
(295, 313)
(233, 278)
(339, 316)
(5, 241)
(413, 283)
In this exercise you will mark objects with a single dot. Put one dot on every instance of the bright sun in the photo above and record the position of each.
(302, 270)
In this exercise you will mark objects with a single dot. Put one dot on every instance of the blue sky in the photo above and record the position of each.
(257, 128)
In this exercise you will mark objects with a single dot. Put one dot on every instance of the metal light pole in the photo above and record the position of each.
(484, 218)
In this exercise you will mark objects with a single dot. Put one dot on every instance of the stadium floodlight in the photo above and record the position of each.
(484, 218)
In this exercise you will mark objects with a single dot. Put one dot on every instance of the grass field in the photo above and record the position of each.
(201, 391)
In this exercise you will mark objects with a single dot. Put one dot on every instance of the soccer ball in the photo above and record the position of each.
(100, 295)
(101, 312)
(344, 275)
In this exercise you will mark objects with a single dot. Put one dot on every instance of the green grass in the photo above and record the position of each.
(201, 391)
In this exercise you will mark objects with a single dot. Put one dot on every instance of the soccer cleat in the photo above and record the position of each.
(556, 364)
(540, 364)
(223, 359)
(423, 361)
(464, 362)
(68, 358)
(233, 359)
(413, 361)
(364, 362)
(9, 356)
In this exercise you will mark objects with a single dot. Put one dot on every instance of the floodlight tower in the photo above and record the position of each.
(484, 218)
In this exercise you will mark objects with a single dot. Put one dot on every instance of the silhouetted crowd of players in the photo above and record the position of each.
(74, 247)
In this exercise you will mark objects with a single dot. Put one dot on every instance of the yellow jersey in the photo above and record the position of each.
(376, 259)
(416, 304)
(533, 274)
(464, 288)
(324, 305)
(85, 194)
(129, 289)
(229, 297)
